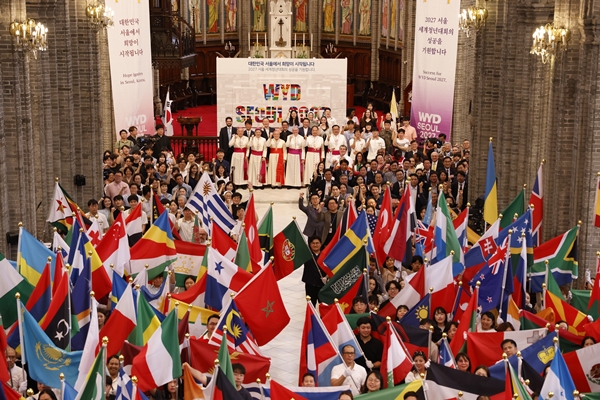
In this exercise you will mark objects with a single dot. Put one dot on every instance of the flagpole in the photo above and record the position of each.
(20, 320)
(456, 300)
(260, 386)
(388, 319)
(505, 272)
(134, 381)
(151, 208)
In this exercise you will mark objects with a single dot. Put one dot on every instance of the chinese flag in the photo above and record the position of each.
(261, 306)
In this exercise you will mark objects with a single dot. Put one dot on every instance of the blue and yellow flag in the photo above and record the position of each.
(45, 360)
(490, 205)
(32, 257)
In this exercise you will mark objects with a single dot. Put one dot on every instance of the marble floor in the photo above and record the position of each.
(284, 350)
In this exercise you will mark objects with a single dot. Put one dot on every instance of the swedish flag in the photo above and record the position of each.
(350, 244)
(46, 361)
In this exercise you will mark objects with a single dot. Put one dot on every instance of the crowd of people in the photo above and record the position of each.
(335, 166)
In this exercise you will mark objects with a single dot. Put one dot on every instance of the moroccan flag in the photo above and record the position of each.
(290, 251)
(345, 278)
(262, 307)
(597, 207)
(517, 206)
(156, 248)
(265, 232)
(159, 361)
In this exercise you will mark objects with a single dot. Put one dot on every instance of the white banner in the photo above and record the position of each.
(131, 65)
(258, 88)
(436, 46)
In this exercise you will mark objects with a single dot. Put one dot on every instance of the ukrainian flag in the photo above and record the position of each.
(490, 205)
(32, 257)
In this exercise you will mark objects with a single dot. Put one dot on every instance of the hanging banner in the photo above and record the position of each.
(258, 88)
(436, 46)
(131, 65)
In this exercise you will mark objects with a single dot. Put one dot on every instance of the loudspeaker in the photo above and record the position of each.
(79, 180)
(12, 238)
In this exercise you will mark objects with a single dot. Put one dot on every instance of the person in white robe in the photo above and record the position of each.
(277, 157)
(257, 157)
(315, 152)
(239, 142)
(295, 159)
(333, 143)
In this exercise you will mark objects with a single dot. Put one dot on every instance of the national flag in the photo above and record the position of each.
(156, 249)
(208, 204)
(400, 233)
(261, 305)
(420, 311)
(492, 277)
(61, 209)
(481, 251)
(191, 390)
(220, 388)
(58, 323)
(113, 249)
(204, 354)
(189, 260)
(224, 360)
(94, 386)
(460, 303)
(94, 232)
(395, 363)
(461, 227)
(134, 225)
(4, 373)
(59, 244)
(558, 379)
(265, 233)
(158, 300)
(348, 219)
(318, 354)
(121, 323)
(444, 383)
(561, 254)
(537, 355)
(80, 305)
(196, 316)
(536, 202)
(11, 283)
(515, 209)
(439, 276)
(345, 278)
(355, 239)
(411, 294)
(89, 349)
(159, 361)
(242, 255)
(339, 329)
(281, 392)
(423, 238)
(445, 356)
(262, 391)
(490, 205)
(32, 257)
(513, 314)
(60, 271)
(585, 368)
(125, 388)
(194, 295)
(514, 388)
(484, 347)
(383, 227)
(563, 310)
(372, 222)
(593, 307)
(168, 116)
(43, 357)
(446, 241)
(222, 242)
(395, 393)
(520, 279)
(414, 339)
(118, 288)
(290, 251)
(597, 206)
(8, 393)
(251, 229)
(468, 323)
(147, 323)
(223, 277)
(238, 337)
(518, 227)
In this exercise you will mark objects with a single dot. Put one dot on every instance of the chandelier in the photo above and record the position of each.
(547, 39)
(99, 15)
(472, 19)
(30, 36)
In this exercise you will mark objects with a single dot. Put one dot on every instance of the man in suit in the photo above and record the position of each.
(313, 227)
(285, 130)
(324, 186)
(436, 164)
(460, 190)
(305, 129)
(267, 130)
(413, 151)
(248, 132)
(225, 135)
(447, 168)
(331, 217)
(161, 141)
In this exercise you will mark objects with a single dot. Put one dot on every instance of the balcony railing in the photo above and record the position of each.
(205, 145)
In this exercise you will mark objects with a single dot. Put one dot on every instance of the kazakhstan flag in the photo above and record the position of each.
(46, 361)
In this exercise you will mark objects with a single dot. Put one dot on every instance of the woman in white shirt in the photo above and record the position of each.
(400, 142)
(418, 368)
(357, 143)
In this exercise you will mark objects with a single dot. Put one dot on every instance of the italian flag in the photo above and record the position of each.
(11, 283)
(159, 361)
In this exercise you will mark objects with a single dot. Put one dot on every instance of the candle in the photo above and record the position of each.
(257, 39)
(249, 43)
(265, 39)
(295, 40)
(302, 39)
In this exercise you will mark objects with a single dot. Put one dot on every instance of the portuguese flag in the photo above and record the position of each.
(290, 251)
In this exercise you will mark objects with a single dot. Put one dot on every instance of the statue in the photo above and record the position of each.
(364, 9)
(328, 15)
(347, 7)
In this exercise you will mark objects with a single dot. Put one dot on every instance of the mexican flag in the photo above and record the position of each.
(11, 283)
(159, 361)
(290, 251)
(584, 366)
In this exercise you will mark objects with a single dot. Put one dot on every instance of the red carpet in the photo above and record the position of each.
(208, 126)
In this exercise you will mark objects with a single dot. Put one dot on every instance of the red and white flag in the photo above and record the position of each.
(134, 225)
(121, 322)
(382, 229)
(395, 362)
(114, 247)
(251, 229)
